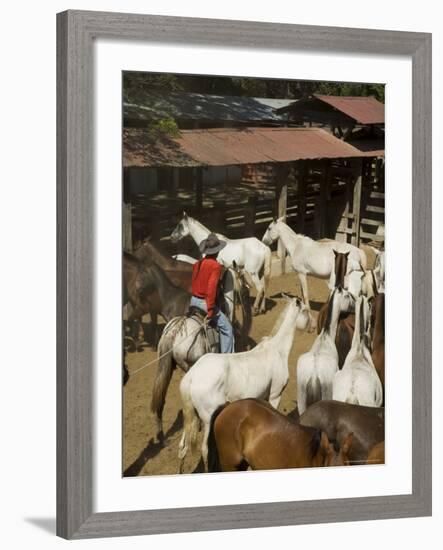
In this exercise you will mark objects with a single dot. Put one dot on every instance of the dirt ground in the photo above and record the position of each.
(142, 455)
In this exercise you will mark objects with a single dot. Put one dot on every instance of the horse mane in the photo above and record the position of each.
(361, 328)
(279, 321)
(131, 259)
(298, 235)
(340, 267)
(328, 319)
(161, 273)
(379, 302)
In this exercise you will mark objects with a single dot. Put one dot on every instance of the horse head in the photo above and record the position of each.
(271, 234)
(335, 455)
(181, 230)
(304, 317)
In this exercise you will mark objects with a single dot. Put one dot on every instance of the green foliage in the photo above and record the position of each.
(349, 89)
(135, 83)
(166, 127)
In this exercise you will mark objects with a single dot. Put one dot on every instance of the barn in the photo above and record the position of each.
(309, 176)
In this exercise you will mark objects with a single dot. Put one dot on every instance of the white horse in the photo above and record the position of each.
(362, 281)
(250, 254)
(185, 258)
(358, 382)
(309, 257)
(217, 378)
(317, 367)
(379, 268)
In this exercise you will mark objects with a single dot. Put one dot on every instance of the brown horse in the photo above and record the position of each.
(251, 433)
(345, 332)
(378, 338)
(179, 273)
(377, 454)
(148, 290)
(133, 280)
(337, 419)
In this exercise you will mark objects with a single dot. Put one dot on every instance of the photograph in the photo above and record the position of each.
(253, 261)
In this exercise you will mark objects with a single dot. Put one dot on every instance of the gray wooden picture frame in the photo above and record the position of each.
(76, 32)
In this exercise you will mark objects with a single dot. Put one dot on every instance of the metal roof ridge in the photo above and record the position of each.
(251, 129)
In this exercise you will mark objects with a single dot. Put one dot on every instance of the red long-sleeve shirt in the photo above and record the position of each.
(205, 276)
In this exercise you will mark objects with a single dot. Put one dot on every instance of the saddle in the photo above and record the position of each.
(211, 333)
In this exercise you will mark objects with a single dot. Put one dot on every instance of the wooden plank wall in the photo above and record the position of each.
(310, 184)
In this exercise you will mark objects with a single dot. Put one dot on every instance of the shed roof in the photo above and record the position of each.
(364, 110)
(191, 106)
(228, 146)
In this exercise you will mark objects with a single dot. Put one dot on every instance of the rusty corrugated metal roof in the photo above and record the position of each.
(230, 146)
(364, 110)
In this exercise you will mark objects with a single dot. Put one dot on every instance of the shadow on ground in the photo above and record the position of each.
(153, 448)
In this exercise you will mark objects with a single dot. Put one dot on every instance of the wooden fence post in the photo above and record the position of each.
(282, 204)
(250, 216)
(127, 227)
(301, 191)
(322, 209)
(199, 188)
(356, 201)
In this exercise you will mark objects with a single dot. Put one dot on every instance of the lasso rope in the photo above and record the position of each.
(200, 327)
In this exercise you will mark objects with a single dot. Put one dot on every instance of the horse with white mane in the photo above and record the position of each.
(309, 257)
(217, 378)
(358, 382)
(317, 367)
(249, 254)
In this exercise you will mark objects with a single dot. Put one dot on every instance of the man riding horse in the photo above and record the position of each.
(205, 278)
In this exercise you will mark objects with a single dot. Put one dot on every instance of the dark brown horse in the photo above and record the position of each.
(179, 273)
(251, 433)
(148, 290)
(345, 332)
(378, 338)
(337, 419)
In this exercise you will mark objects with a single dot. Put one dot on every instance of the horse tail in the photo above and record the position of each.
(213, 456)
(165, 368)
(191, 422)
(313, 391)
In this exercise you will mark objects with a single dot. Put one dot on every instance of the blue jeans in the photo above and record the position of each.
(224, 326)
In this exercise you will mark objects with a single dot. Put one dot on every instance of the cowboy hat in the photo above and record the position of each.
(211, 245)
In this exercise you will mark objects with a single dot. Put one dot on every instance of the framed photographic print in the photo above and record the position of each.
(227, 194)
